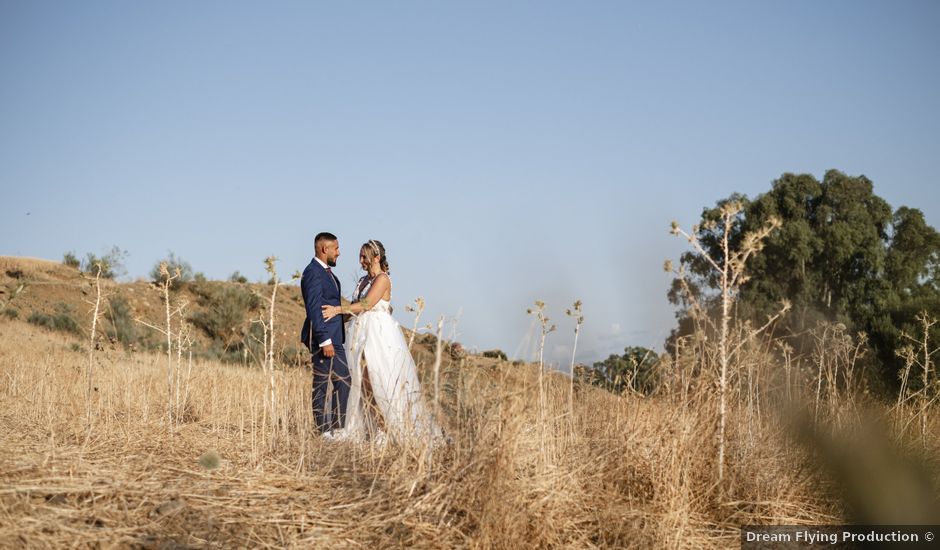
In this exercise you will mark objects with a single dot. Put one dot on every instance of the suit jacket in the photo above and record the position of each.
(320, 288)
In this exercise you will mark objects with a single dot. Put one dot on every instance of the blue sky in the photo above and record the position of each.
(503, 152)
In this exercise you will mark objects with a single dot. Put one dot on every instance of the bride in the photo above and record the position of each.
(385, 395)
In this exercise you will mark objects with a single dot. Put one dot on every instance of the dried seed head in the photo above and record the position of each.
(269, 265)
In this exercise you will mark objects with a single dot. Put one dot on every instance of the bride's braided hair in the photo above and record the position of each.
(376, 248)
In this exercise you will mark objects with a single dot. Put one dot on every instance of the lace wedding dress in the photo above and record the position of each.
(385, 395)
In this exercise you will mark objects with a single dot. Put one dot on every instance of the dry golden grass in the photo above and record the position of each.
(622, 472)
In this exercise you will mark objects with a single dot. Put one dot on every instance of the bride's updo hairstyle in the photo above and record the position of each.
(375, 248)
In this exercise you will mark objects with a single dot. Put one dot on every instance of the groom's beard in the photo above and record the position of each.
(331, 263)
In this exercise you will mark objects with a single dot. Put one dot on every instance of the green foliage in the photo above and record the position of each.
(61, 320)
(111, 263)
(237, 277)
(495, 354)
(173, 265)
(224, 317)
(71, 260)
(840, 255)
(635, 370)
(11, 313)
(123, 328)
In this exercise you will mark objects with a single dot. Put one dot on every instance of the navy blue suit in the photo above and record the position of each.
(320, 288)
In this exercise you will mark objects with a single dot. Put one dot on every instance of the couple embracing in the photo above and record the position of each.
(365, 384)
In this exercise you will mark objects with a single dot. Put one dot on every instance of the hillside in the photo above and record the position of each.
(229, 310)
(50, 287)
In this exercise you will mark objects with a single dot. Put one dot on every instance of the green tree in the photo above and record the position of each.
(840, 254)
(635, 369)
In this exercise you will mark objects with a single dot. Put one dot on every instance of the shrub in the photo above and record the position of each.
(112, 263)
(225, 311)
(238, 278)
(173, 263)
(123, 327)
(61, 320)
(71, 260)
(495, 354)
(11, 313)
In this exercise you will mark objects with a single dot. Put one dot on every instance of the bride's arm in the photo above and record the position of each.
(379, 286)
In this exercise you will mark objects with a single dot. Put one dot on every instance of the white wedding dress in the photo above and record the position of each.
(379, 359)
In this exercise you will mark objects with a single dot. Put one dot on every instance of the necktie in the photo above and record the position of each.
(330, 271)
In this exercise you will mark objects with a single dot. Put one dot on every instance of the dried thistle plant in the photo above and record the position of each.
(546, 328)
(271, 397)
(417, 309)
(166, 281)
(918, 353)
(578, 316)
(730, 269)
(93, 343)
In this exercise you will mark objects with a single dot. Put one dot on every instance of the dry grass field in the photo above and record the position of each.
(109, 471)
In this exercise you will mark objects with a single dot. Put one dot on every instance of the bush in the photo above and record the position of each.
(61, 320)
(123, 327)
(238, 278)
(11, 313)
(495, 354)
(173, 264)
(112, 263)
(225, 313)
(71, 260)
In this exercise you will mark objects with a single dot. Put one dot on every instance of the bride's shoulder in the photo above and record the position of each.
(383, 277)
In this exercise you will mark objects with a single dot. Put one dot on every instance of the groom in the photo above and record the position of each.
(325, 339)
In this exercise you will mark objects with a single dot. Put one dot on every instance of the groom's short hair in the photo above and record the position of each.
(324, 236)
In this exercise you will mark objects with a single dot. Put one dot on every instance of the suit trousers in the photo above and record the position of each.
(329, 408)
